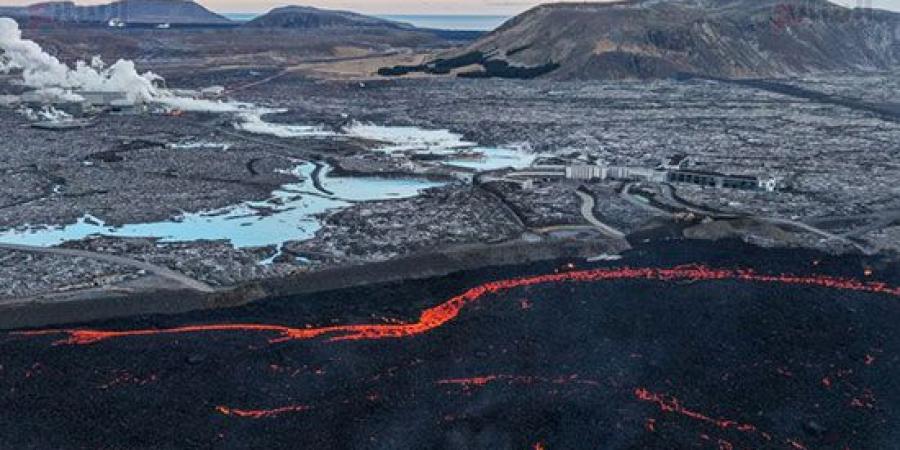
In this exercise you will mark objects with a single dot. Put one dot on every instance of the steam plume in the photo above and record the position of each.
(55, 80)
(42, 71)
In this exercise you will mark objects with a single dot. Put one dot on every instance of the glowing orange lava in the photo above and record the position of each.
(439, 315)
(673, 405)
(261, 413)
(473, 381)
(480, 381)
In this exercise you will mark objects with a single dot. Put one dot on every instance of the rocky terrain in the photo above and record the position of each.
(132, 169)
(838, 161)
(828, 139)
(216, 263)
(653, 39)
(122, 169)
(375, 263)
(380, 231)
(560, 354)
(545, 205)
(58, 274)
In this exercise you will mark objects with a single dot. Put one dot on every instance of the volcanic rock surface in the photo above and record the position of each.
(552, 355)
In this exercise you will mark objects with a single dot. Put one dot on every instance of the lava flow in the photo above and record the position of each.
(471, 382)
(261, 413)
(674, 406)
(443, 313)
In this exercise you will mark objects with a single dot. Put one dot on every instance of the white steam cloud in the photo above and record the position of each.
(252, 122)
(54, 81)
(41, 70)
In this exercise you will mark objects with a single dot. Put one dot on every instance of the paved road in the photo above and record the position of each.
(163, 272)
(587, 210)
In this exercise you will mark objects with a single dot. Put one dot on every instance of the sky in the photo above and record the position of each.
(463, 7)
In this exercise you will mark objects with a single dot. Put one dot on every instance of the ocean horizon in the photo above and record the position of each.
(436, 21)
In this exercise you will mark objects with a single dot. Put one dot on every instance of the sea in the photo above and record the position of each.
(435, 21)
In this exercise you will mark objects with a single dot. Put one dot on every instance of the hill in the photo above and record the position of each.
(129, 12)
(304, 17)
(654, 38)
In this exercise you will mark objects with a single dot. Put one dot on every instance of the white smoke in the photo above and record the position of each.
(404, 139)
(252, 122)
(180, 102)
(47, 113)
(55, 81)
(41, 70)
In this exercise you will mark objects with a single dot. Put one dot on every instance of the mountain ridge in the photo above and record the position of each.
(654, 38)
(307, 17)
(134, 12)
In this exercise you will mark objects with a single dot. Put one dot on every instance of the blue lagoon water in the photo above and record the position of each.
(295, 217)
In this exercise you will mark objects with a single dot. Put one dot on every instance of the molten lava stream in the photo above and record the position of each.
(261, 413)
(672, 405)
(447, 311)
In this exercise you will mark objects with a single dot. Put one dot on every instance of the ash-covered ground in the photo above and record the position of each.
(618, 364)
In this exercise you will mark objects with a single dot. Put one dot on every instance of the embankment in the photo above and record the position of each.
(87, 307)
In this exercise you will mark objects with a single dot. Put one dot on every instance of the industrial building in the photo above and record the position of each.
(589, 172)
(672, 170)
(712, 179)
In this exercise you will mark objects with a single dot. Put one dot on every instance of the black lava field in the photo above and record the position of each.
(679, 345)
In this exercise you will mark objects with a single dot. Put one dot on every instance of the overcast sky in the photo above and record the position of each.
(478, 7)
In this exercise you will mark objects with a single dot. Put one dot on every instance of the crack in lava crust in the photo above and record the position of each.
(672, 405)
(261, 413)
(443, 313)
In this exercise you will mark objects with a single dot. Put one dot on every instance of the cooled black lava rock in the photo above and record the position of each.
(607, 364)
